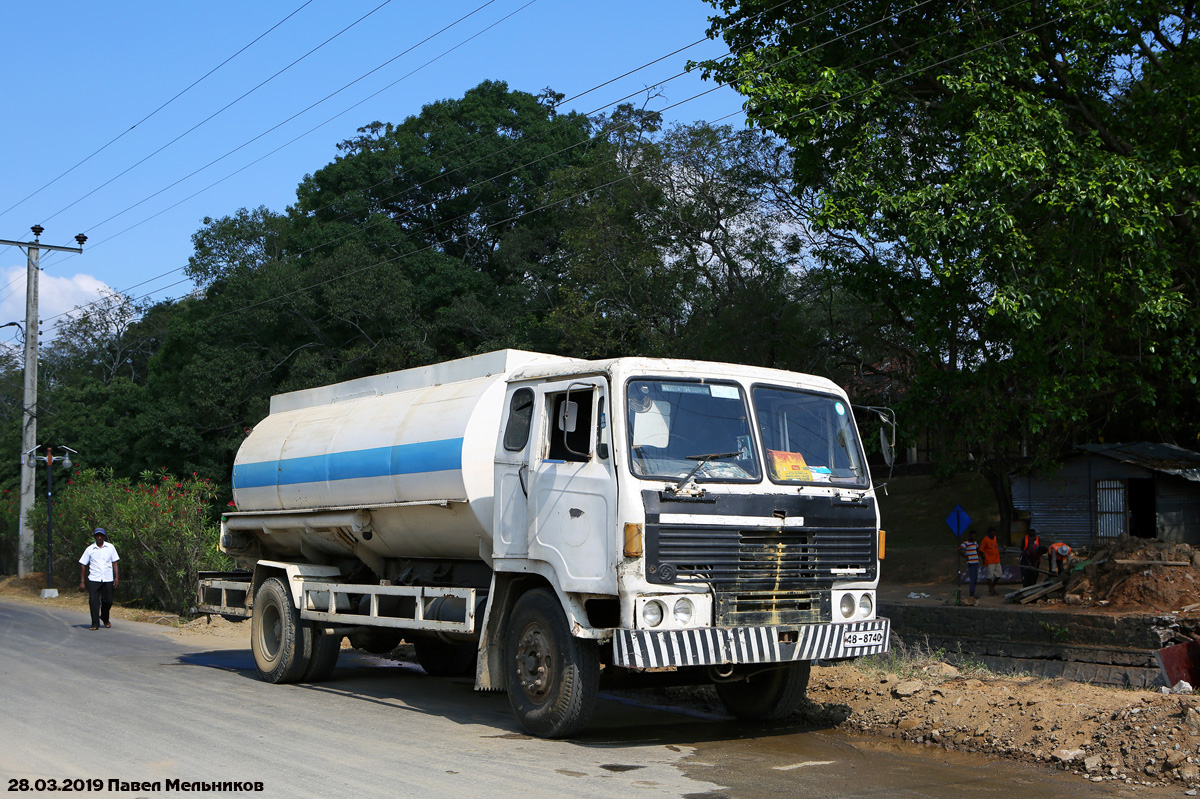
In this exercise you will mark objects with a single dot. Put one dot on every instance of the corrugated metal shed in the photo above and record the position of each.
(1106, 490)
(1164, 458)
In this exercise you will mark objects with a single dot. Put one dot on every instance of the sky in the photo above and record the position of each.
(132, 121)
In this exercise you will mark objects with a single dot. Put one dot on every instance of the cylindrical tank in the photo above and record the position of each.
(414, 448)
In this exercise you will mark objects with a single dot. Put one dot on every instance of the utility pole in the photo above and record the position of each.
(29, 406)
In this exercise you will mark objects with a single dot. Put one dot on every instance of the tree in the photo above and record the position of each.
(1013, 188)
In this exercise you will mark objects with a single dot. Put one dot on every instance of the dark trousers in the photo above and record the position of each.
(100, 597)
(1029, 574)
(972, 576)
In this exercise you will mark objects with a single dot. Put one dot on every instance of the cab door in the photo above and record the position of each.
(510, 515)
(572, 487)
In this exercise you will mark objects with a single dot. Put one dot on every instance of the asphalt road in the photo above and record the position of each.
(134, 703)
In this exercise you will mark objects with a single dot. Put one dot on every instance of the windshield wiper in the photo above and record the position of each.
(704, 459)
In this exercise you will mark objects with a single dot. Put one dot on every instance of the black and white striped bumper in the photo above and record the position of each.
(711, 646)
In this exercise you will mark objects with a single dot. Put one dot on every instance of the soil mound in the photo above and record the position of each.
(1140, 574)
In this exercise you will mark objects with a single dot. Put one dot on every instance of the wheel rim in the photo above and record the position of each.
(271, 636)
(536, 662)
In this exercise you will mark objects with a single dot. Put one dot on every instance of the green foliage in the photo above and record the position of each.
(1012, 189)
(161, 525)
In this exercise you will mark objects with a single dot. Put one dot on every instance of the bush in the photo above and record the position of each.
(10, 524)
(162, 527)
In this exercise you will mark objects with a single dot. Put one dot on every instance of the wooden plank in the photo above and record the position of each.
(1047, 588)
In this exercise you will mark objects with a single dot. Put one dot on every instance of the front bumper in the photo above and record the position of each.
(712, 646)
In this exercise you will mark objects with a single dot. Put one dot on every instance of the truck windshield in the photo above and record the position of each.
(673, 425)
(808, 438)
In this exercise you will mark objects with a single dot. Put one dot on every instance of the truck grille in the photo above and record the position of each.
(775, 571)
(761, 559)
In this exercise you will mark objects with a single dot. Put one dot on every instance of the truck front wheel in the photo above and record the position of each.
(766, 695)
(552, 677)
(281, 643)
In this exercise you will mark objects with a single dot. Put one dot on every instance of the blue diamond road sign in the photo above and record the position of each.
(958, 520)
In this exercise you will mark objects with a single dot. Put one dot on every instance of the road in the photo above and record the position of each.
(136, 703)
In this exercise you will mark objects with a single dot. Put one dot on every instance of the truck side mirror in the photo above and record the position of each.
(568, 416)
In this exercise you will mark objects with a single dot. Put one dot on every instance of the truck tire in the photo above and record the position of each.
(280, 641)
(442, 659)
(552, 678)
(768, 695)
(376, 640)
(325, 651)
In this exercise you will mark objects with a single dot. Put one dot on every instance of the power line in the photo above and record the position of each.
(631, 175)
(581, 94)
(447, 155)
(219, 111)
(184, 91)
(504, 149)
(883, 19)
(305, 110)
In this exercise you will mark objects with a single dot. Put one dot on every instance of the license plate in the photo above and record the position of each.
(862, 638)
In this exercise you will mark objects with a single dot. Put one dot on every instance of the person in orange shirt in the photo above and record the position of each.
(1060, 558)
(992, 570)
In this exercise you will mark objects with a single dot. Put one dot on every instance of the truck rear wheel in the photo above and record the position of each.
(766, 695)
(280, 641)
(442, 659)
(325, 651)
(552, 677)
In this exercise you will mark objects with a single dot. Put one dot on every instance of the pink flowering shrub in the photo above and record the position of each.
(164, 528)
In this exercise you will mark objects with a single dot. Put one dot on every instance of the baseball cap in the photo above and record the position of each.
(100, 531)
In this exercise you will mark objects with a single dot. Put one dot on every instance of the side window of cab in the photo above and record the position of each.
(520, 417)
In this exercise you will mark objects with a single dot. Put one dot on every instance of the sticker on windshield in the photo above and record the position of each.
(725, 392)
(840, 408)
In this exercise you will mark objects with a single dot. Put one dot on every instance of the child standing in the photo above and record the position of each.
(970, 549)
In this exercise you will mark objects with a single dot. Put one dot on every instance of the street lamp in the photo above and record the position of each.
(32, 460)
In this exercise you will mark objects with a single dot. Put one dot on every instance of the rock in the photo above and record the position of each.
(1093, 762)
(1189, 772)
(1067, 755)
(908, 688)
(908, 723)
(1181, 687)
(1073, 599)
(1175, 759)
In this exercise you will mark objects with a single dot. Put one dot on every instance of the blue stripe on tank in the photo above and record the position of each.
(417, 458)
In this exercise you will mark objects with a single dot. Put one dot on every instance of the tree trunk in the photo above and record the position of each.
(995, 471)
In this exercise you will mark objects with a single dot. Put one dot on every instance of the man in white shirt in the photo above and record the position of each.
(98, 573)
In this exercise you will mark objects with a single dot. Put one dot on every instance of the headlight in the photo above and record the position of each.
(847, 605)
(683, 611)
(652, 613)
(865, 605)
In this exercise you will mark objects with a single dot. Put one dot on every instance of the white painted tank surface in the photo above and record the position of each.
(414, 449)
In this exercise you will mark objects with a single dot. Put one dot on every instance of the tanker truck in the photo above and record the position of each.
(558, 525)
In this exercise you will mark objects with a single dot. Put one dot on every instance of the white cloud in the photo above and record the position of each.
(56, 295)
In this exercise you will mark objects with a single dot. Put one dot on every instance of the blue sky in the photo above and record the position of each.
(81, 74)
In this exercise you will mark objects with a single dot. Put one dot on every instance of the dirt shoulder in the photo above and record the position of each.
(1102, 734)
(29, 590)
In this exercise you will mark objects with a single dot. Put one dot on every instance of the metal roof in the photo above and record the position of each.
(1165, 458)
